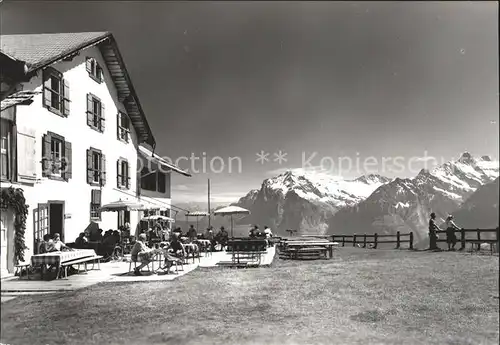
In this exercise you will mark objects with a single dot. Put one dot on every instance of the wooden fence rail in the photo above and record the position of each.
(478, 239)
(364, 239)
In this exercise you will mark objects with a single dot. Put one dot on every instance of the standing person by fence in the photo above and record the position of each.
(451, 238)
(432, 232)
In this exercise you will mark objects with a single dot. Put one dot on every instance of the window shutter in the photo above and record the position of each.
(68, 165)
(102, 117)
(46, 89)
(89, 65)
(90, 172)
(90, 112)
(100, 74)
(96, 196)
(66, 101)
(118, 122)
(46, 154)
(126, 125)
(103, 169)
(128, 176)
(26, 153)
(118, 173)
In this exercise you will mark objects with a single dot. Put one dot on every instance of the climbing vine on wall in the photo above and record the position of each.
(13, 198)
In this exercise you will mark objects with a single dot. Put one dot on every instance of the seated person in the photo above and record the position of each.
(251, 233)
(209, 235)
(99, 235)
(177, 248)
(58, 244)
(170, 258)
(141, 253)
(178, 231)
(132, 240)
(112, 239)
(47, 245)
(81, 241)
(106, 235)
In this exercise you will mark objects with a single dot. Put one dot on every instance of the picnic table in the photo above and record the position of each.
(297, 245)
(63, 258)
(245, 252)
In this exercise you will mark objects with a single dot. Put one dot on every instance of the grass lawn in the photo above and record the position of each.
(358, 297)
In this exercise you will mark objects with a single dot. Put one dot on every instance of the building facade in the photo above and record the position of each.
(155, 189)
(73, 146)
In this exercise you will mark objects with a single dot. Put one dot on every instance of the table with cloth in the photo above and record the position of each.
(58, 258)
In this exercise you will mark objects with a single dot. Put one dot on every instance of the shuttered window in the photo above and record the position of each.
(122, 173)
(95, 113)
(55, 92)
(123, 128)
(56, 157)
(26, 151)
(94, 70)
(6, 149)
(96, 167)
(95, 204)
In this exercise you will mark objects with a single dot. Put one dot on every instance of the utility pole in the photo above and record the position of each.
(209, 213)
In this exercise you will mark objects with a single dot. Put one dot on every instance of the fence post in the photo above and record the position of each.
(354, 241)
(375, 241)
(364, 241)
(343, 241)
(411, 240)
(398, 239)
(462, 239)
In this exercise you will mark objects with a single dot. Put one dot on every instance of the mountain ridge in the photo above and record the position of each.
(405, 204)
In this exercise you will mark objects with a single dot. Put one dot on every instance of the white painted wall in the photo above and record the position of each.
(76, 192)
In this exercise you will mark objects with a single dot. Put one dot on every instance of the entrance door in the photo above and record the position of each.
(40, 225)
(56, 218)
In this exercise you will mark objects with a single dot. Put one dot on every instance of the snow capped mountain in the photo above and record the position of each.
(405, 204)
(305, 200)
(480, 210)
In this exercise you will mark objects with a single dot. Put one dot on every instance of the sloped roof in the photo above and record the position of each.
(40, 50)
(160, 161)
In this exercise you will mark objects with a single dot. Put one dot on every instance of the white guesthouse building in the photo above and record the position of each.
(71, 126)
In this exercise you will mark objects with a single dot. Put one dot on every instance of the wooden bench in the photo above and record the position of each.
(307, 253)
(84, 261)
(325, 246)
(23, 266)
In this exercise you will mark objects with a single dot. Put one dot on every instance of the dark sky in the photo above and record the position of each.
(343, 79)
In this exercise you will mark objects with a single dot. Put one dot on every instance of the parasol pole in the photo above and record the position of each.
(209, 218)
(232, 236)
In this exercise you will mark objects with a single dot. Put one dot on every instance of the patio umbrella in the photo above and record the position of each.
(122, 205)
(196, 214)
(230, 211)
